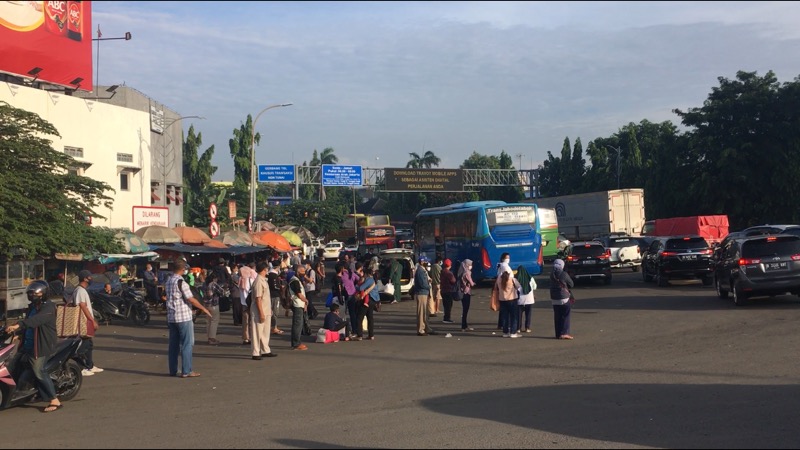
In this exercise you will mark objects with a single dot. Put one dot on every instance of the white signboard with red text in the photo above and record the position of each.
(144, 216)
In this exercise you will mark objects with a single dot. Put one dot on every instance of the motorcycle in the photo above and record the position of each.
(17, 383)
(127, 305)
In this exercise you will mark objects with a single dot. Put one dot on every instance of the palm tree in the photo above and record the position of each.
(428, 160)
(326, 157)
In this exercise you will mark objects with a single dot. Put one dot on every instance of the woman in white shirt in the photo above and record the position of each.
(526, 300)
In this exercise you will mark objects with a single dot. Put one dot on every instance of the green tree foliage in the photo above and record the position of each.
(197, 173)
(509, 194)
(43, 206)
(426, 161)
(240, 146)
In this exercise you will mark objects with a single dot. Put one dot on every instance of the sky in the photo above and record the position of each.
(376, 81)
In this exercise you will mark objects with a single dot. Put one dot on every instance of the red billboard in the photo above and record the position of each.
(50, 41)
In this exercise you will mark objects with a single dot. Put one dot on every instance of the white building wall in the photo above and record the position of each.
(103, 131)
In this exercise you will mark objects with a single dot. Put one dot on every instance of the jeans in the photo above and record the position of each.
(84, 355)
(508, 311)
(465, 310)
(447, 301)
(47, 391)
(181, 342)
(561, 318)
(352, 312)
(236, 306)
(365, 311)
(297, 325)
(527, 310)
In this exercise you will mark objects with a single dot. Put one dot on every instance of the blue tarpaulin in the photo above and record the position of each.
(233, 250)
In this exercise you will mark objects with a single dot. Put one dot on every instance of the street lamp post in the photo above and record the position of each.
(619, 153)
(253, 160)
(164, 150)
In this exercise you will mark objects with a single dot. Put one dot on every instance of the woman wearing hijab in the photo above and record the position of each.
(560, 285)
(465, 284)
(526, 300)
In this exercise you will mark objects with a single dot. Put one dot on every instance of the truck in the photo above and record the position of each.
(713, 228)
(594, 214)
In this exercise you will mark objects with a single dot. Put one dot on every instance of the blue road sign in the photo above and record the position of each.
(275, 174)
(337, 175)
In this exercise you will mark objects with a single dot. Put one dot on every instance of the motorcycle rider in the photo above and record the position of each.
(39, 340)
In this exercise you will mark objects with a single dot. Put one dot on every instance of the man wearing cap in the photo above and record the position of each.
(80, 298)
(422, 289)
(179, 319)
(448, 290)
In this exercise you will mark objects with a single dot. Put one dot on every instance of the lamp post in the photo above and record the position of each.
(253, 160)
(619, 153)
(164, 150)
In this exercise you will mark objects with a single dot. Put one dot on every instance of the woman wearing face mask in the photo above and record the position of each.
(560, 285)
(503, 266)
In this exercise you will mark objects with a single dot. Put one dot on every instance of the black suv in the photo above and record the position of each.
(671, 257)
(761, 265)
(587, 260)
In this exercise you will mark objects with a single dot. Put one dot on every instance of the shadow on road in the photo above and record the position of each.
(665, 416)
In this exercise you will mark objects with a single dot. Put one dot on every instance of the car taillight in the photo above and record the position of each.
(707, 251)
(795, 257)
(605, 255)
(749, 261)
(487, 263)
(572, 258)
(669, 253)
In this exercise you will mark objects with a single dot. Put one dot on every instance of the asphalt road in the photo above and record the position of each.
(671, 367)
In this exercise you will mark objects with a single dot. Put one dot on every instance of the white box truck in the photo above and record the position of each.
(584, 216)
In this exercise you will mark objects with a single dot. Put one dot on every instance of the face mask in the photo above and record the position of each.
(507, 260)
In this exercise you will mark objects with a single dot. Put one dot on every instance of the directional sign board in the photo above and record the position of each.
(337, 175)
(275, 174)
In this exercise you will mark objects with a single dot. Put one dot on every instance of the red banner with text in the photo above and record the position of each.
(50, 41)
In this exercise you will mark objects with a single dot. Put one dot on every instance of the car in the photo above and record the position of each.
(562, 242)
(332, 250)
(587, 260)
(751, 266)
(771, 229)
(624, 251)
(406, 259)
(350, 251)
(673, 257)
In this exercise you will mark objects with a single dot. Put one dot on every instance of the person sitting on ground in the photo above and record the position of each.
(334, 322)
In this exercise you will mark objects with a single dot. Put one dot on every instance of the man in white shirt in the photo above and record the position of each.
(80, 298)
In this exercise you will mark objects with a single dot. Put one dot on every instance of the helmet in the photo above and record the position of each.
(38, 291)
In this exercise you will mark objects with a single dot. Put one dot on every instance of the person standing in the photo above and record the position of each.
(448, 288)
(526, 298)
(261, 314)
(150, 283)
(39, 340)
(247, 276)
(560, 285)
(351, 279)
(367, 302)
(503, 266)
(465, 284)
(275, 288)
(435, 300)
(396, 274)
(80, 298)
(236, 301)
(422, 290)
(508, 294)
(299, 305)
(179, 320)
(211, 299)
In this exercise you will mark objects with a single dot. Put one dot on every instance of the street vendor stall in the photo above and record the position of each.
(15, 275)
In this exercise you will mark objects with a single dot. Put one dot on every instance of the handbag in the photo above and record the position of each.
(224, 304)
(388, 288)
(71, 322)
(329, 300)
(494, 301)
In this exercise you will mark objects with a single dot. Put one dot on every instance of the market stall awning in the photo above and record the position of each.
(183, 248)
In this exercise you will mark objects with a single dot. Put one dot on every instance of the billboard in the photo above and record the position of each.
(424, 180)
(47, 40)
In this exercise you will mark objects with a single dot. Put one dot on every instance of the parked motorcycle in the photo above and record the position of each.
(17, 383)
(129, 304)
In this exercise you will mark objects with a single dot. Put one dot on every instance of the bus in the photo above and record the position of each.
(353, 221)
(548, 227)
(481, 231)
(373, 239)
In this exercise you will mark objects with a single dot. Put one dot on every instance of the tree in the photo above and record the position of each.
(43, 202)
(240, 147)
(509, 194)
(426, 161)
(197, 173)
(327, 157)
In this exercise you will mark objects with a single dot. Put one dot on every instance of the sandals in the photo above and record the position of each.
(276, 331)
(51, 408)
(190, 375)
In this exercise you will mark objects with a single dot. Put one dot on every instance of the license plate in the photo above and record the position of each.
(590, 261)
(689, 258)
(776, 266)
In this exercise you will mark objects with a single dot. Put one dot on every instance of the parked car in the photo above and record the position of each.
(673, 257)
(587, 260)
(754, 266)
(332, 250)
(624, 251)
(406, 260)
(759, 230)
